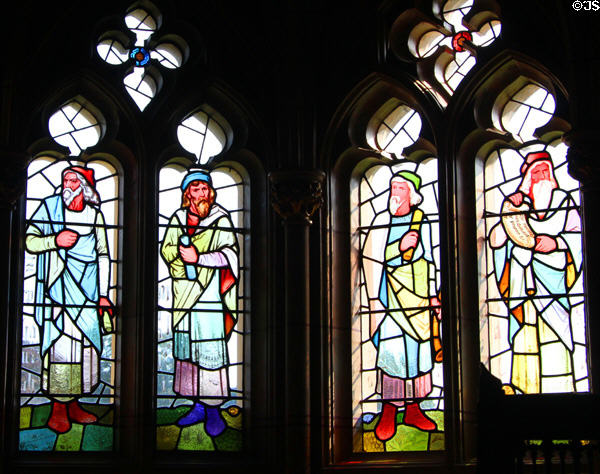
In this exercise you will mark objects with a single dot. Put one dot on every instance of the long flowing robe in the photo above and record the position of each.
(204, 308)
(67, 292)
(538, 284)
(404, 336)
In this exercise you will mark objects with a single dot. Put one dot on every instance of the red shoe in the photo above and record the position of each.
(79, 415)
(386, 426)
(59, 421)
(413, 416)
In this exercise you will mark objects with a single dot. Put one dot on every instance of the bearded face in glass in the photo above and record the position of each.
(199, 196)
(403, 196)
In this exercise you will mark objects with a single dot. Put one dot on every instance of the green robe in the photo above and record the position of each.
(201, 305)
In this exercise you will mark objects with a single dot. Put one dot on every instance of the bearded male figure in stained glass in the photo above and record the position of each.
(67, 234)
(404, 318)
(537, 259)
(201, 251)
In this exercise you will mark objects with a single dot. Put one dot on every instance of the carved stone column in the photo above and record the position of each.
(12, 187)
(296, 195)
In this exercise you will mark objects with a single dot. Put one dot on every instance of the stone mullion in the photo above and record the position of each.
(296, 196)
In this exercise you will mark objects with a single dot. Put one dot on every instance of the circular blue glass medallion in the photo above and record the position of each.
(140, 56)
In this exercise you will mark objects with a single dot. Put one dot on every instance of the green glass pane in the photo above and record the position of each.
(167, 437)
(40, 416)
(194, 438)
(168, 416)
(25, 419)
(97, 438)
(230, 440)
(71, 440)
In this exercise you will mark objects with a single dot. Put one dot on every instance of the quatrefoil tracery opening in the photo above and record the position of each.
(141, 83)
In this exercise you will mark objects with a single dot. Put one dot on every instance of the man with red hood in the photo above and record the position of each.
(68, 235)
(536, 267)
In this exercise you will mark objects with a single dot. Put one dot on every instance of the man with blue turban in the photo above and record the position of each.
(201, 251)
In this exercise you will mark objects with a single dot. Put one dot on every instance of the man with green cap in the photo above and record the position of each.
(406, 303)
(201, 251)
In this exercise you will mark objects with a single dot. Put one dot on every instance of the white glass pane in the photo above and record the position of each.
(58, 124)
(455, 10)
(168, 55)
(75, 127)
(87, 137)
(142, 24)
(399, 130)
(112, 51)
(428, 43)
(141, 87)
(201, 135)
(529, 109)
(487, 34)
(531, 95)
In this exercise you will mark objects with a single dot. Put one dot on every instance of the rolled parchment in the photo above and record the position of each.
(514, 221)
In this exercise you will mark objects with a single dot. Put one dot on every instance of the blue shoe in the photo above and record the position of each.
(215, 424)
(195, 415)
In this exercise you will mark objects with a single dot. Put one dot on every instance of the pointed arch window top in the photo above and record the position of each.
(530, 108)
(75, 126)
(202, 135)
(143, 82)
(397, 131)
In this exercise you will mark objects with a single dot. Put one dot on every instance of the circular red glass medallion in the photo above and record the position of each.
(458, 41)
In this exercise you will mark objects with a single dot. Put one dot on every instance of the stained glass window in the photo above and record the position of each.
(202, 309)
(533, 331)
(397, 360)
(70, 290)
(397, 356)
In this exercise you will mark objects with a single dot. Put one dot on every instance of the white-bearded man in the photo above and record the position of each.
(201, 251)
(405, 306)
(535, 278)
(67, 233)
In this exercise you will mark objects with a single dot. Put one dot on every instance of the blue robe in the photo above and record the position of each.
(403, 339)
(67, 278)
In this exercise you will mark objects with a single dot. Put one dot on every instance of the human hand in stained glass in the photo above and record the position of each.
(66, 238)
(516, 198)
(545, 243)
(106, 315)
(188, 254)
(436, 306)
(410, 240)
